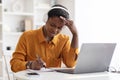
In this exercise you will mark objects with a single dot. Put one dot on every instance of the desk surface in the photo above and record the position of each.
(22, 75)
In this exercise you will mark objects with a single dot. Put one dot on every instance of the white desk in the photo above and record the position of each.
(22, 75)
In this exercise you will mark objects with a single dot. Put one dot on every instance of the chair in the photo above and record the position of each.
(7, 73)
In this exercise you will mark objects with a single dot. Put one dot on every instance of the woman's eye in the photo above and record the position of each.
(52, 25)
(59, 28)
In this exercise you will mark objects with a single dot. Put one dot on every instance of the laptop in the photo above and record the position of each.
(93, 57)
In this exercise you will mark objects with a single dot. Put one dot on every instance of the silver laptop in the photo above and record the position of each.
(93, 57)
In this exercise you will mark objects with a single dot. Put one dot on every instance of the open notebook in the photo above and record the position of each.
(93, 57)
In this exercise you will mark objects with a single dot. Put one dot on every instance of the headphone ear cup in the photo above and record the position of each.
(45, 18)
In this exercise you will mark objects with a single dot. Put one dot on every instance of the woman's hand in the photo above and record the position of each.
(70, 24)
(37, 64)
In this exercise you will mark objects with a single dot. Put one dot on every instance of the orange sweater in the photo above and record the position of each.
(33, 42)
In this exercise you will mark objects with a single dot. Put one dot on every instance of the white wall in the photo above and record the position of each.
(99, 21)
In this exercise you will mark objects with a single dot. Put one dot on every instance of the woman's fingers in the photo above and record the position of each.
(40, 61)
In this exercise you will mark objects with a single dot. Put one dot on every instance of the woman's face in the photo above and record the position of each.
(53, 26)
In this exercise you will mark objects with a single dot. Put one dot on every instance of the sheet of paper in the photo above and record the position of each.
(42, 70)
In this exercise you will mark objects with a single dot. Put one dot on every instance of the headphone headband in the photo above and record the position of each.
(57, 7)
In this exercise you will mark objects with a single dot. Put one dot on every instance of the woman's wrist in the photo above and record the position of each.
(75, 34)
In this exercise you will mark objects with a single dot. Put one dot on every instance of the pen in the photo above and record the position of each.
(41, 62)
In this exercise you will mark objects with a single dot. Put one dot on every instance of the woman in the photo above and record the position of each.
(46, 47)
